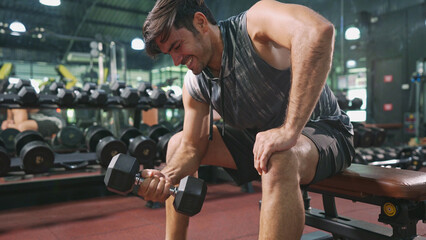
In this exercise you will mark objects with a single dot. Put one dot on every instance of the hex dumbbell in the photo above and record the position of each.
(140, 147)
(123, 172)
(123, 95)
(20, 93)
(36, 155)
(149, 96)
(106, 146)
(4, 159)
(70, 137)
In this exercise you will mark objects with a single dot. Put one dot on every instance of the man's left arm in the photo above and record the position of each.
(310, 39)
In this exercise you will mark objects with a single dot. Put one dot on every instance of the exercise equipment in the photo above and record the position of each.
(122, 94)
(56, 93)
(141, 147)
(123, 170)
(21, 93)
(70, 137)
(161, 135)
(36, 155)
(8, 135)
(102, 141)
(400, 195)
(4, 159)
(149, 96)
(173, 99)
(96, 97)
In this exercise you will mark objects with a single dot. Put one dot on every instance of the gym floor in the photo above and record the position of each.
(228, 213)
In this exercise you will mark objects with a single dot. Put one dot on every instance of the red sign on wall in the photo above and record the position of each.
(387, 107)
(388, 78)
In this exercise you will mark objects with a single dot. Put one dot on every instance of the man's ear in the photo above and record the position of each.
(200, 22)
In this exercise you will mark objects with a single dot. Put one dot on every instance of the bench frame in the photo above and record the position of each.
(401, 214)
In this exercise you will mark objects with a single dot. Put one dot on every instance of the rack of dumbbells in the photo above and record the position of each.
(370, 150)
(27, 154)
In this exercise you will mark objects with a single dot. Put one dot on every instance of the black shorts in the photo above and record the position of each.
(47, 125)
(334, 144)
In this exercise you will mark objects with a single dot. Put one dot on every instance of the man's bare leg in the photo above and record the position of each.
(217, 155)
(282, 214)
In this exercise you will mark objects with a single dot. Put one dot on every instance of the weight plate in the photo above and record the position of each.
(26, 137)
(70, 136)
(94, 135)
(157, 131)
(107, 148)
(143, 148)
(8, 135)
(128, 134)
(37, 157)
(162, 144)
(4, 162)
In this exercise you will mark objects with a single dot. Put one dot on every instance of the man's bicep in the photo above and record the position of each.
(196, 121)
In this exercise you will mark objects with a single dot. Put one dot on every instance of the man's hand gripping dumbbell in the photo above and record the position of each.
(123, 172)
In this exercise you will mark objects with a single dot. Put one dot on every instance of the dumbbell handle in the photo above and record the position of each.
(139, 180)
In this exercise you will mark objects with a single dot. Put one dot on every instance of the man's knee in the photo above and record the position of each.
(283, 167)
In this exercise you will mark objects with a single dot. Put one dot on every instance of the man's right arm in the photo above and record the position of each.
(193, 145)
(186, 158)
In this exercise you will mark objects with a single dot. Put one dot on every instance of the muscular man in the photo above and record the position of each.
(264, 72)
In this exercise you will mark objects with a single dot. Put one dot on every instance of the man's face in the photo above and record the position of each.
(185, 48)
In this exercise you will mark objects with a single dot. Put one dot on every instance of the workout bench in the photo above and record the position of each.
(401, 195)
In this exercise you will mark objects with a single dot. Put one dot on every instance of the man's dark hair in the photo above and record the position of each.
(171, 13)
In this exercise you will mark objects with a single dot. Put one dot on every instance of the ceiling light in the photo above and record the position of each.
(52, 3)
(352, 33)
(138, 44)
(17, 27)
(351, 64)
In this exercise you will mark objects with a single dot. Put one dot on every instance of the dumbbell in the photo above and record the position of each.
(173, 99)
(4, 159)
(355, 104)
(148, 96)
(102, 141)
(96, 97)
(140, 147)
(56, 93)
(20, 93)
(69, 136)
(364, 136)
(122, 94)
(123, 172)
(379, 136)
(161, 135)
(35, 154)
(8, 135)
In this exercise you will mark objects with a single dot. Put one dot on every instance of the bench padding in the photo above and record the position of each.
(363, 180)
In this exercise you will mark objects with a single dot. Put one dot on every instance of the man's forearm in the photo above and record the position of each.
(185, 161)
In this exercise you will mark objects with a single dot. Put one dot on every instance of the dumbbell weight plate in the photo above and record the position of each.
(144, 128)
(94, 135)
(8, 135)
(25, 137)
(157, 131)
(162, 146)
(107, 148)
(144, 149)
(128, 134)
(4, 159)
(70, 136)
(37, 157)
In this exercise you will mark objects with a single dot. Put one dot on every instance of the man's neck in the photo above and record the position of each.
(217, 48)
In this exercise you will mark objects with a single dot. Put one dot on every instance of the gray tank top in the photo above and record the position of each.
(251, 94)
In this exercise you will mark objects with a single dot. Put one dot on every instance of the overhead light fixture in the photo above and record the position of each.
(352, 33)
(138, 44)
(51, 3)
(17, 27)
(350, 63)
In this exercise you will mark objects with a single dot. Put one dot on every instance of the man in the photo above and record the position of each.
(264, 72)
